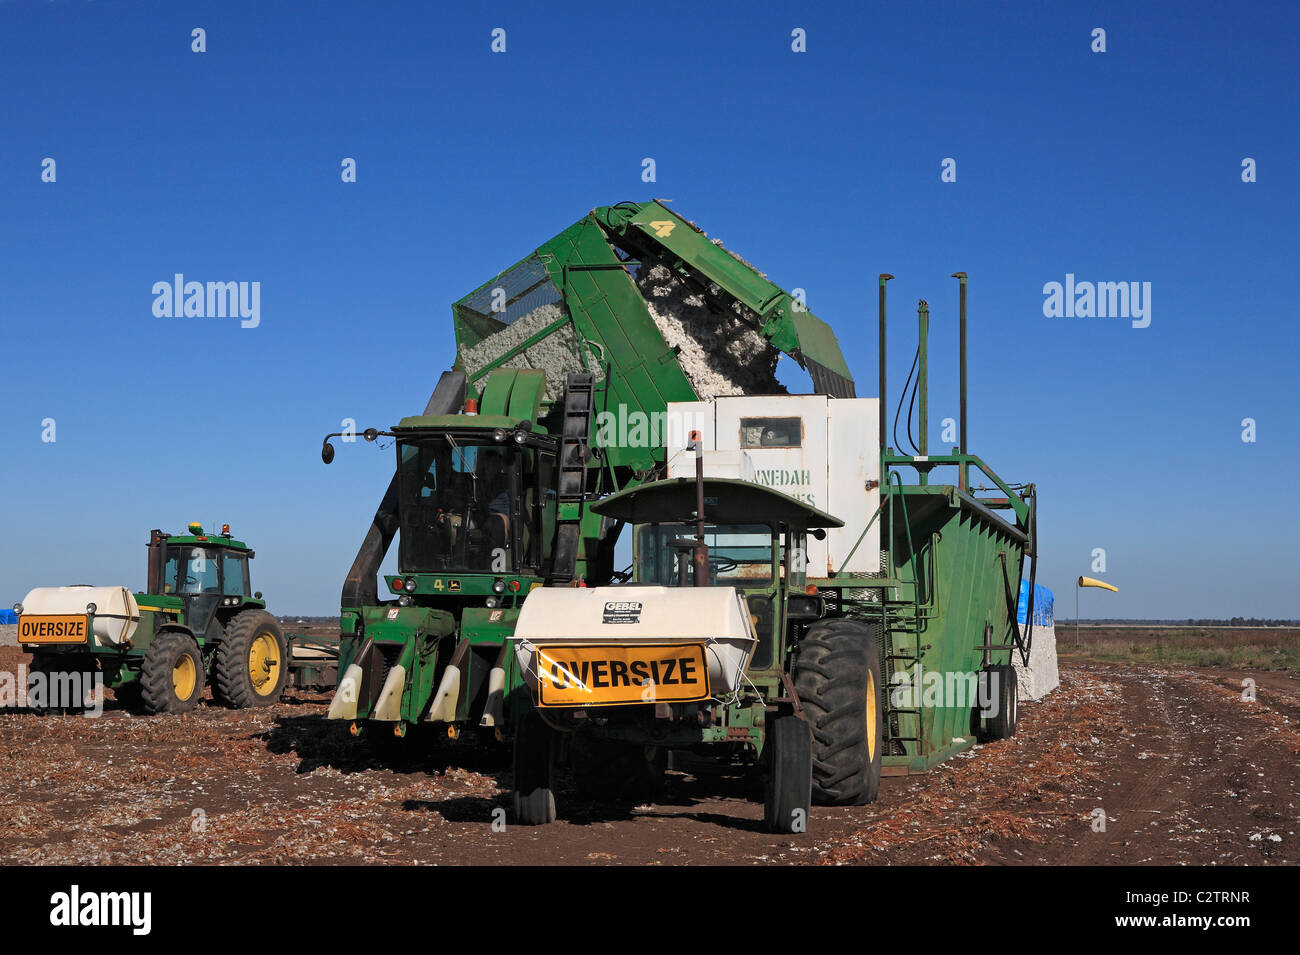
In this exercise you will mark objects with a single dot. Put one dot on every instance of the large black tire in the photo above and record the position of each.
(998, 686)
(837, 677)
(252, 662)
(171, 678)
(788, 792)
(534, 765)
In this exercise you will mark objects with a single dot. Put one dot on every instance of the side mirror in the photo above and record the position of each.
(818, 532)
(327, 452)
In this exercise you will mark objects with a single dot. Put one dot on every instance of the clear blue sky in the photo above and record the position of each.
(822, 167)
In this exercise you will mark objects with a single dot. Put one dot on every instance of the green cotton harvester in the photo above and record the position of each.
(618, 374)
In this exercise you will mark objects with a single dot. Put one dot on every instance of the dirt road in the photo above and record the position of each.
(1184, 769)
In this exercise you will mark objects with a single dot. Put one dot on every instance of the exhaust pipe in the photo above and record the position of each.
(961, 472)
(884, 277)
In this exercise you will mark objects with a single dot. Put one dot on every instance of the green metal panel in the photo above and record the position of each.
(956, 564)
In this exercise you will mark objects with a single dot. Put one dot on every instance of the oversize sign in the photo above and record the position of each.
(52, 629)
(604, 675)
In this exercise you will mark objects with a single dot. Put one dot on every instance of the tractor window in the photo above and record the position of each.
(198, 570)
(170, 568)
(454, 507)
(740, 555)
(234, 574)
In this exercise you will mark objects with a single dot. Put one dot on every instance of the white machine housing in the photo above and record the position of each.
(715, 616)
(821, 450)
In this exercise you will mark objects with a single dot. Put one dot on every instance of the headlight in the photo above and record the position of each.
(492, 602)
(499, 587)
(18, 608)
(91, 608)
(404, 601)
(409, 585)
(499, 434)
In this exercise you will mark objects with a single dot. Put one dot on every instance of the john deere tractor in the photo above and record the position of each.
(199, 622)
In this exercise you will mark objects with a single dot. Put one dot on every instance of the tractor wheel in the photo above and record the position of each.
(998, 688)
(252, 663)
(171, 678)
(837, 677)
(534, 772)
(788, 792)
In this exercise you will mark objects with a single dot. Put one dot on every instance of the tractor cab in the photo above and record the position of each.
(208, 573)
(754, 539)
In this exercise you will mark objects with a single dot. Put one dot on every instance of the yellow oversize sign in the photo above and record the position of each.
(52, 629)
(604, 675)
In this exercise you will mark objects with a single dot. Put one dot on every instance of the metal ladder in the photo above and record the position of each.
(571, 479)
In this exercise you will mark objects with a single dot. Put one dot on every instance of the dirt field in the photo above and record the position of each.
(1184, 769)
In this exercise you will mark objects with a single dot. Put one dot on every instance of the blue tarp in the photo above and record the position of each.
(8, 616)
(1043, 605)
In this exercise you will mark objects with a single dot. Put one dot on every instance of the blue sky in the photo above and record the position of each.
(821, 167)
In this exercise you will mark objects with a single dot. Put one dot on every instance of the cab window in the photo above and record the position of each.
(234, 572)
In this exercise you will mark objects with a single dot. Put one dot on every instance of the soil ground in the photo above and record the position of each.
(1184, 769)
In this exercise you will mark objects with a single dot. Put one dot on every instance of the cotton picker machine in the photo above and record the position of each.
(791, 601)
(567, 363)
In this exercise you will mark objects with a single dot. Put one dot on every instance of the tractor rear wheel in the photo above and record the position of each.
(837, 677)
(252, 661)
(998, 694)
(788, 793)
(171, 678)
(534, 772)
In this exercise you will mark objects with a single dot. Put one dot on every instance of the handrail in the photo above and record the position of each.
(927, 462)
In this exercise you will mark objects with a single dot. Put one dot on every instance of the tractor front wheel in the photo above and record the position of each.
(252, 662)
(534, 772)
(171, 678)
(788, 794)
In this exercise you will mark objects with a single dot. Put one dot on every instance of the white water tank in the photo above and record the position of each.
(116, 612)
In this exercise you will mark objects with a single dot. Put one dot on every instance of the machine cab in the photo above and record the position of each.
(209, 573)
(756, 540)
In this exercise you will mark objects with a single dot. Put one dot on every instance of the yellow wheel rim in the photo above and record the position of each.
(184, 675)
(264, 664)
(871, 716)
